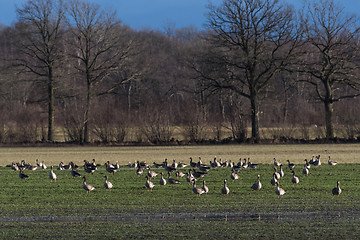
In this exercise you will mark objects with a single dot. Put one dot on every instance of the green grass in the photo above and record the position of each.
(39, 208)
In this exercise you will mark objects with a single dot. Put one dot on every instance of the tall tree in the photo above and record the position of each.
(98, 48)
(252, 41)
(331, 59)
(39, 44)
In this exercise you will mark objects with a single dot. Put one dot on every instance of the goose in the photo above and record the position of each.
(257, 186)
(205, 188)
(89, 167)
(213, 164)
(192, 164)
(225, 189)
(198, 174)
(116, 165)
(133, 165)
(180, 174)
(30, 167)
(189, 176)
(278, 190)
(281, 172)
(14, 166)
(182, 165)
(203, 168)
(307, 164)
(239, 163)
(157, 165)
(107, 184)
(234, 176)
(22, 165)
(142, 164)
(61, 166)
(276, 163)
(244, 165)
(174, 164)
(231, 164)
(216, 163)
(305, 171)
(26, 166)
(172, 180)
(139, 170)
(331, 163)
(67, 167)
(290, 165)
(168, 168)
(274, 180)
(52, 175)
(199, 162)
(197, 190)
(252, 165)
(43, 166)
(236, 168)
(86, 186)
(73, 172)
(39, 164)
(312, 160)
(110, 168)
(225, 164)
(162, 180)
(23, 175)
(294, 179)
(317, 162)
(337, 190)
(277, 174)
(93, 164)
(149, 184)
(151, 173)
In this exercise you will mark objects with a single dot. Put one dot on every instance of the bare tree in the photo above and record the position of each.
(330, 63)
(252, 40)
(39, 44)
(99, 51)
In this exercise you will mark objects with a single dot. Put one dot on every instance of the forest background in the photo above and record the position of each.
(261, 71)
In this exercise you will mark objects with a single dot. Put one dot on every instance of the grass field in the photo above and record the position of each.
(39, 208)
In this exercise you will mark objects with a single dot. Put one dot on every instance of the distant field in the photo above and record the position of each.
(344, 153)
(39, 208)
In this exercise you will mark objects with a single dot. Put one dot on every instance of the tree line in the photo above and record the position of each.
(71, 69)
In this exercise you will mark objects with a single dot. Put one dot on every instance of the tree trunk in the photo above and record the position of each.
(254, 118)
(87, 114)
(129, 101)
(328, 120)
(51, 106)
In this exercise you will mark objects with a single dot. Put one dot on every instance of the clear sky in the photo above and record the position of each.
(154, 14)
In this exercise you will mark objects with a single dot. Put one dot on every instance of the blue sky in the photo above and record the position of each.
(153, 14)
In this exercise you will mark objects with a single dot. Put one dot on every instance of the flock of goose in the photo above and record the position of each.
(89, 167)
(196, 172)
(194, 175)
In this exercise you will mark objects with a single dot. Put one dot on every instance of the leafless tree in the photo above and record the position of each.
(331, 60)
(39, 44)
(252, 41)
(99, 51)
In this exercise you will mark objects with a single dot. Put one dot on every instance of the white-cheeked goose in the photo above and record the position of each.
(86, 186)
(336, 191)
(107, 184)
(225, 190)
(257, 185)
(278, 190)
(52, 175)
